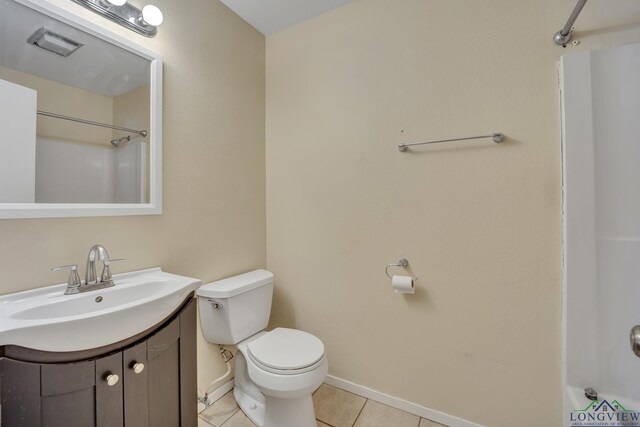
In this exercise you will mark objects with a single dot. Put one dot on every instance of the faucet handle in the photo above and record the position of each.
(74, 278)
(106, 271)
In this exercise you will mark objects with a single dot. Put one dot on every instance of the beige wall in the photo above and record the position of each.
(132, 110)
(213, 223)
(480, 223)
(67, 100)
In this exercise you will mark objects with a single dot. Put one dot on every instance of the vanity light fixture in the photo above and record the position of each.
(152, 15)
(114, 2)
(143, 21)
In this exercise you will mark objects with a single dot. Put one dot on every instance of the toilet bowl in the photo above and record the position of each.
(286, 369)
(276, 372)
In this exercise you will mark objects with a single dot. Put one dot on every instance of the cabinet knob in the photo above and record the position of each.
(138, 367)
(112, 379)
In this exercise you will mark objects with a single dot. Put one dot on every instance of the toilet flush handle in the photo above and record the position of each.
(216, 304)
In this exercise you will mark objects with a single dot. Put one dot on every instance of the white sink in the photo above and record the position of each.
(46, 319)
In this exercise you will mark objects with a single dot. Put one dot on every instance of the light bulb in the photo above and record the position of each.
(116, 2)
(152, 15)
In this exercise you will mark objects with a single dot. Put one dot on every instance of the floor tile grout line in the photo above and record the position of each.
(360, 413)
(330, 425)
(206, 422)
(227, 420)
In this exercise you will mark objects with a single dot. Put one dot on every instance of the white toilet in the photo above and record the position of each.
(276, 372)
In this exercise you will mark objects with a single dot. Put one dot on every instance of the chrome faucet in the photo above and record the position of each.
(90, 273)
(92, 282)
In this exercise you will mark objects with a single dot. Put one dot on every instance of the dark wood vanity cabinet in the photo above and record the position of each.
(155, 387)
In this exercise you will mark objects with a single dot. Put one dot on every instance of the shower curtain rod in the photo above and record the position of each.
(142, 133)
(563, 36)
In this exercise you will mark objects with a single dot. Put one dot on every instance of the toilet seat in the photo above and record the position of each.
(286, 352)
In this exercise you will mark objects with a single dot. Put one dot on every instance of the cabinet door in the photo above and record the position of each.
(19, 393)
(163, 359)
(84, 394)
(162, 391)
(136, 386)
(108, 379)
(188, 374)
(68, 394)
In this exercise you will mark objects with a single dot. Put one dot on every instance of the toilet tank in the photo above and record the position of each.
(233, 309)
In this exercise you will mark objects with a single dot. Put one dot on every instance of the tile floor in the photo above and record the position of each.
(334, 408)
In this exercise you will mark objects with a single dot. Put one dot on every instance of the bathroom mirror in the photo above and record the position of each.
(80, 113)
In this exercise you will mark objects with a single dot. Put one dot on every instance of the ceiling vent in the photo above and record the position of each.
(53, 42)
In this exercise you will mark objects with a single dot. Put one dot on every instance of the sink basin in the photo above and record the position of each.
(46, 319)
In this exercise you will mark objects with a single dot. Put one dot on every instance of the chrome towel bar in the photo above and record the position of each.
(497, 138)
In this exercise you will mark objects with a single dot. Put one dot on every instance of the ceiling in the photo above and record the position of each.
(98, 66)
(270, 16)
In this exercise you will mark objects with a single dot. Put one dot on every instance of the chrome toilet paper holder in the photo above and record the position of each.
(402, 262)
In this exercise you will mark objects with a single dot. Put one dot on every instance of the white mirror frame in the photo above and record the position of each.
(65, 210)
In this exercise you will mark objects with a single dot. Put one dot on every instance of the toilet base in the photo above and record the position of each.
(251, 407)
(296, 412)
(277, 412)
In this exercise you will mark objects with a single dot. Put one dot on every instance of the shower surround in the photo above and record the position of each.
(601, 100)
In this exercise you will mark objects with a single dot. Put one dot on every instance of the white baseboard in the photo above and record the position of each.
(404, 405)
(215, 395)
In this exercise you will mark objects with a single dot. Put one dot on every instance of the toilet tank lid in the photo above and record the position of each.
(235, 285)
